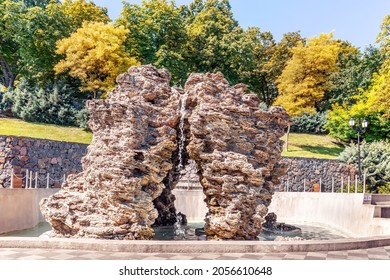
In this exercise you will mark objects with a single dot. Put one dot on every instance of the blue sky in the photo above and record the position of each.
(357, 21)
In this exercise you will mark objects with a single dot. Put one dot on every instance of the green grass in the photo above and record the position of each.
(300, 145)
(17, 127)
(311, 146)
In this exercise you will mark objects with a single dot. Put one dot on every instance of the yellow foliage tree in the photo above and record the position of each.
(378, 95)
(95, 54)
(304, 80)
(79, 11)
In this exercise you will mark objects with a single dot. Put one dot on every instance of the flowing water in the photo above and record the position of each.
(182, 135)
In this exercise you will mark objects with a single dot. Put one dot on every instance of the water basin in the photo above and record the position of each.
(308, 232)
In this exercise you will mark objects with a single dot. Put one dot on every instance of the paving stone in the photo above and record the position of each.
(381, 253)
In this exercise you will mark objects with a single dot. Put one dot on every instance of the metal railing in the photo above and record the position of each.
(32, 180)
(346, 184)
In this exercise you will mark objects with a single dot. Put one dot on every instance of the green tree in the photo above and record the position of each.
(282, 53)
(384, 36)
(247, 52)
(37, 3)
(375, 161)
(271, 59)
(49, 103)
(355, 73)
(157, 35)
(96, 55)
(372, 101)
(208, 43)
(29, 31)
(10, 13)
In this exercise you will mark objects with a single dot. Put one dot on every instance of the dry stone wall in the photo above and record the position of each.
(37, 155)
(59, 158)
(309, 171)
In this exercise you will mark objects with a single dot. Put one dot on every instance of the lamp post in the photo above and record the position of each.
(360, 126)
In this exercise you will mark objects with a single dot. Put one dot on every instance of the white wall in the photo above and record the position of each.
(19, 208)
(343, 211)
(191, 203)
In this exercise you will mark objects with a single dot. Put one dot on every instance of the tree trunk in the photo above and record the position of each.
(9, 72)
(287, 135)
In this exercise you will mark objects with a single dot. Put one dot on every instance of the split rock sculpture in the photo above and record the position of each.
(133, 161)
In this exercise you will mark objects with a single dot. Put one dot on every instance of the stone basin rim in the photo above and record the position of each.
(191, 246)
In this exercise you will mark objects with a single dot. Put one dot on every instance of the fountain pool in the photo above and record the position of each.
(309, 232)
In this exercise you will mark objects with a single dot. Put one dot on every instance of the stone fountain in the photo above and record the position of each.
(145, 132)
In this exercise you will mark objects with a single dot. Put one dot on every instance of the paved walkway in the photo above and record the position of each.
(379, 253)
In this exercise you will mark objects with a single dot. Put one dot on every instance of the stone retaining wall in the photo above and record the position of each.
(308, 171)
(37, 155)
(59, 158)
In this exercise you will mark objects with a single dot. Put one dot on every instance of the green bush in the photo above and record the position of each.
(352, 188)
(338, 124)
(384, 189)
(82, 118)
(375, 161)
(53, 103)
(312, 124)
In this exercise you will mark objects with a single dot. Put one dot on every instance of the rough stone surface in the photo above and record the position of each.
(134, 159)
(237, 149)
(299, 170)
(130, 156)
(305, 172)
(39, 156)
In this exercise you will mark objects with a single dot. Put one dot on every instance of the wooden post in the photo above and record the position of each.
(36, 179)
(320, 184)
(349, 183)
(47, 180)
(342, 184)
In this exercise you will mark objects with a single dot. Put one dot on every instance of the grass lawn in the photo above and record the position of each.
(17, 127)
(311, 146)
(300, 145)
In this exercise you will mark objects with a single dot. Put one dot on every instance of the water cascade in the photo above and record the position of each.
(182, 135)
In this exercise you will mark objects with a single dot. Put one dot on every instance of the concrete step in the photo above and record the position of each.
(383, 203)
(382, 211)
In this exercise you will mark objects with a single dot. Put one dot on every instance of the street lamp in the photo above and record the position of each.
(360, 126)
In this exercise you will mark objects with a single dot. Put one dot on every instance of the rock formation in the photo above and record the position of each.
(237, 149)
(134, 159)
(123, 171)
